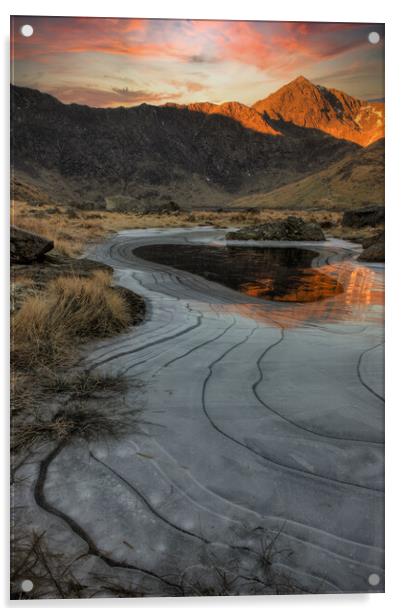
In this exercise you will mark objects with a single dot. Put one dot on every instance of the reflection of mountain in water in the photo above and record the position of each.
(307, 285)
(280, 274)
(361, 301)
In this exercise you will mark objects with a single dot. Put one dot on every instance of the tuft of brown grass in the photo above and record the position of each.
(76, 420)
(23, 393)
(82, 385)
(72, 309)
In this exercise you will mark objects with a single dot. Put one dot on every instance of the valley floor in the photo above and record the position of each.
(256, 463)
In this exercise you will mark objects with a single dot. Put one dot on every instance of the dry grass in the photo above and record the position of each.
(23, 393)
(71, 233)
(356, 235)
(51, 575)
(76, 420)
(83, 385)
(50, 323)
(27, 434)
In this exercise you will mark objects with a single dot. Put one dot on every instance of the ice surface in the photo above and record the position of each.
(262, 419)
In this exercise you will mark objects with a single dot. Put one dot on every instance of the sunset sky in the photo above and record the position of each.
(113, 62)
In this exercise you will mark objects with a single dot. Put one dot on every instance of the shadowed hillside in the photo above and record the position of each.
(355, 181)
(193, 154)
(202, 154)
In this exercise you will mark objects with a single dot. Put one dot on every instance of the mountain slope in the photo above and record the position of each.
(355, 181)
(246, 116)
(197, 154)
(304, 104)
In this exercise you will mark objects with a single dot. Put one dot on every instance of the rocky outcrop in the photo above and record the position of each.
(373, 239)
(292, 229)
(374, 254)
(370, 216)
(374, 249)
(26, 247)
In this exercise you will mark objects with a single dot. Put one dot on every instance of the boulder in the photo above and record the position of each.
(373, 239)
(327, 224)
(26, 247)
(374, 249)
(369, 216)
(292, 229)
(375, 253)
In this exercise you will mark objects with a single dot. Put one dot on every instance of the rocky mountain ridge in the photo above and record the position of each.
(200, 154)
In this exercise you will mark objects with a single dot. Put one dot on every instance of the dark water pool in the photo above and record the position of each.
(280, 274)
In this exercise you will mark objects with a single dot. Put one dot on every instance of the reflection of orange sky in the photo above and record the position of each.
(312, 285)
(362, 296)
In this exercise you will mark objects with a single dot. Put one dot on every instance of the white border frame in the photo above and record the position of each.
(387, 11)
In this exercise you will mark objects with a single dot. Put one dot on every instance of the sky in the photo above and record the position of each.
(111, 62)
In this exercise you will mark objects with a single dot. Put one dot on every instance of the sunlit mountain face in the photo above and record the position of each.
(304, 104)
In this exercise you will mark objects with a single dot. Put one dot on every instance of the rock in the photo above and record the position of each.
(373, 239)
(374, 249)
(375, 253)
(291, 229)
(26, 247)
(364, 217)
(327, 224)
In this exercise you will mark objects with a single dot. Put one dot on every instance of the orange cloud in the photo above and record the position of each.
(245, 44)
(129, 37)
(97, 97)
(262, 44)
(279, 50)
(189, 86)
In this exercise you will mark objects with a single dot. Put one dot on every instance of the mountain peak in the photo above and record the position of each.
(302, 103)
(300, 79)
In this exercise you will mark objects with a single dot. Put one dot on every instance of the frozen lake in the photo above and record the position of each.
(262, 452)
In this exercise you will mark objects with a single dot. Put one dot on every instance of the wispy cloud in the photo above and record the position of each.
(189, 86)
(96, 97)
(147, 53)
